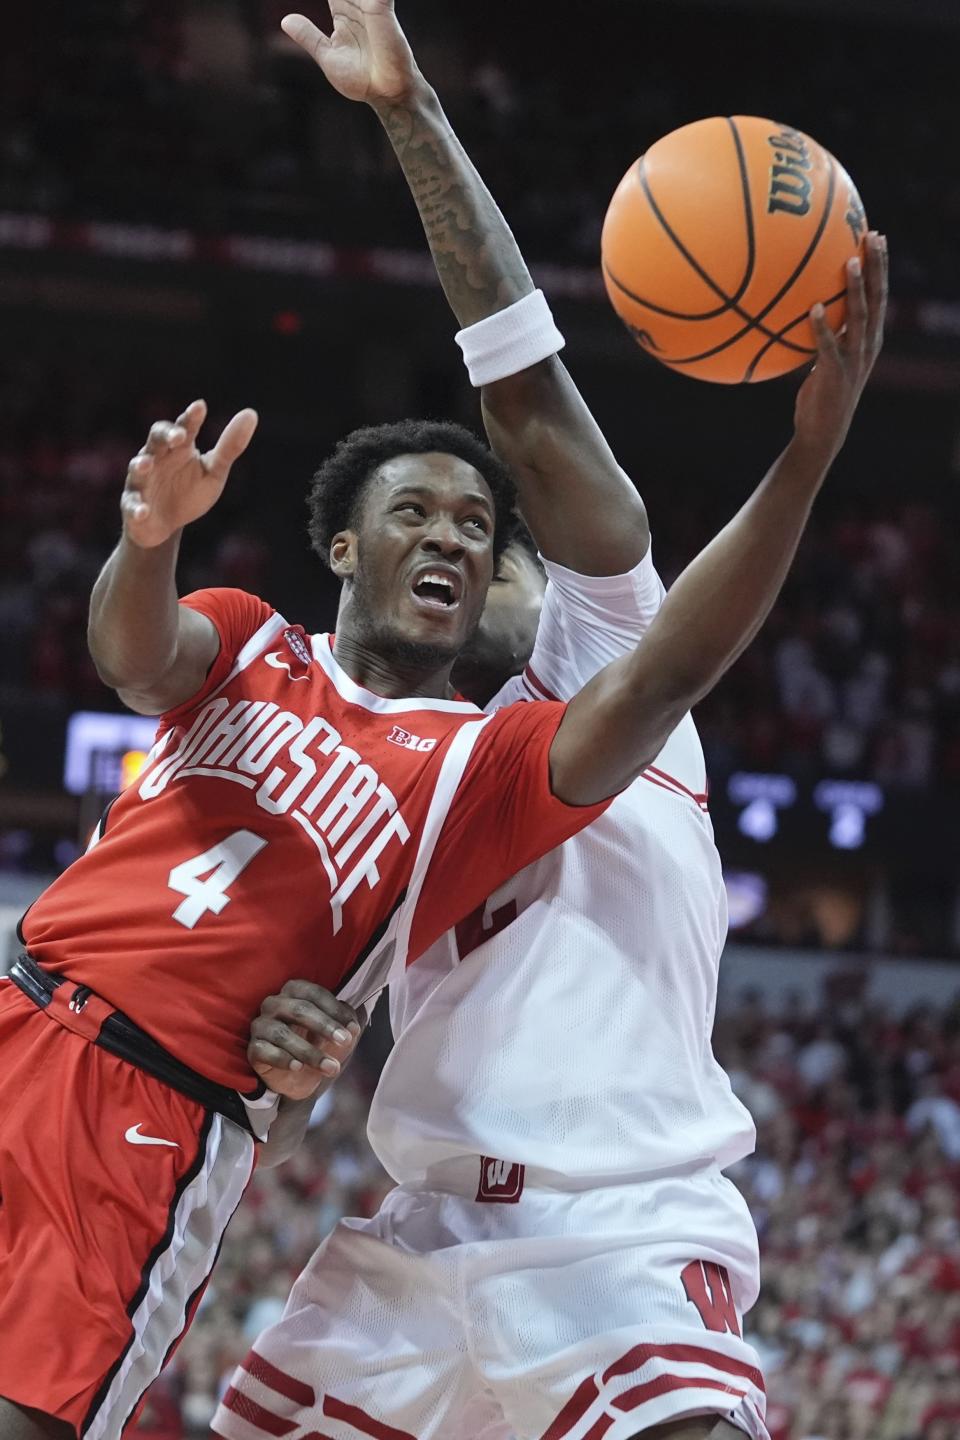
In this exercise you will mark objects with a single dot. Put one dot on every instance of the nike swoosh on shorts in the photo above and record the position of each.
(133, 1137)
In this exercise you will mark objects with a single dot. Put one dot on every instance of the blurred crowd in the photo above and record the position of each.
(199, 113)
(855, 1189)
(857, 671)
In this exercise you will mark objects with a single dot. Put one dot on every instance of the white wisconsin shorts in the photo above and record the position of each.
(489, 1307)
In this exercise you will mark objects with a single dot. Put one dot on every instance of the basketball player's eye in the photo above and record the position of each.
(412, 506)
(479, 523)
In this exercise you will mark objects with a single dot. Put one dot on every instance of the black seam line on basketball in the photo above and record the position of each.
(791, 324)
(747, 205)
(804, 261)
(751, 239)
(186, 1179)
(749, 372)
(689, 359)
(731, 302)
(709, 354)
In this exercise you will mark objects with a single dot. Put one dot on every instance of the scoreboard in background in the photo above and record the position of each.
(104, 751)
(763, 802)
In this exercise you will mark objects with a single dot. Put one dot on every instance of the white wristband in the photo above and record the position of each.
(510, 341)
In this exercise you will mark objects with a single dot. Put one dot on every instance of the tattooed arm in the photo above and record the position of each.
(582, 509)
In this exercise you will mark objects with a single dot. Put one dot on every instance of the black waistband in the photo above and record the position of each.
(127, 1041)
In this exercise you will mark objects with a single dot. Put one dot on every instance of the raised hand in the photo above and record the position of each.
(171, 483)
(831, 392)
(302, 1039)
(367, 56)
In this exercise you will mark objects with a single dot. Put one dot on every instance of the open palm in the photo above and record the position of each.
(367, 56)
(170, 483)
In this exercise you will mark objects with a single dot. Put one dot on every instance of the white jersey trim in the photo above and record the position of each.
(249, 651)
(177, 1272)
(357, 695)
(448, 783)
(390, 954)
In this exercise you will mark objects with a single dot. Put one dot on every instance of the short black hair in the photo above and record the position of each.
(340, 484)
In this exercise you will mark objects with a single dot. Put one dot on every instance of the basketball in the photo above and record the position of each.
(720, 239)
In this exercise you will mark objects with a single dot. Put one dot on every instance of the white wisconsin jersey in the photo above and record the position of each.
(567, 1026)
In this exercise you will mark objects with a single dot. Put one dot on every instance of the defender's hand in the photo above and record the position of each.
(170, 483)
(367, 56)
(831, 392)
(302, 1039)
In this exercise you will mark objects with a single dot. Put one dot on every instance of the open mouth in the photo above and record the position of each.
(438, 589)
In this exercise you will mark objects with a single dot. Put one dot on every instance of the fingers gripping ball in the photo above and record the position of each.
(721, 238)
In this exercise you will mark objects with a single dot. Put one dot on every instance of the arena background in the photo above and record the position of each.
(185, 210)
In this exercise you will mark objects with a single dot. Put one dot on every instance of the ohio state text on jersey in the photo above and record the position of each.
(286, 825)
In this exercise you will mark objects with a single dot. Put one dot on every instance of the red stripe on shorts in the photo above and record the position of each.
(636, 1358)
(360, 1420)
(278, 1380)
(664, 1384)
(256, 1415)
(578, 1404)
(600, 1427)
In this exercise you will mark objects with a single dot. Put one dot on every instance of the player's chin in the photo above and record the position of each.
(446, 625)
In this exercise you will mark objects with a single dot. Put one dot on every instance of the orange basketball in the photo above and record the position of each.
(719, 240)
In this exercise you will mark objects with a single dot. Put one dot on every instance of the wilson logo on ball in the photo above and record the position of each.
(789, 187)
(719, 240)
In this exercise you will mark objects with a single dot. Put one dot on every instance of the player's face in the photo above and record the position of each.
(504, 639)
(424, 556)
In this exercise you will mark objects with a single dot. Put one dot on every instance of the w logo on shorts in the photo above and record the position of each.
(501, 1181)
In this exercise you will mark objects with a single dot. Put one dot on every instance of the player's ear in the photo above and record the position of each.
(343, 554)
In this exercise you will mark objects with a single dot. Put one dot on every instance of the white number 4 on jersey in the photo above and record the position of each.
(205, 879)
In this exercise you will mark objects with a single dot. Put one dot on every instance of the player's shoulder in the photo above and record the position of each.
(226, 597)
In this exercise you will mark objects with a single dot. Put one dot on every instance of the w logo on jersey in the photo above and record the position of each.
(501, 1181)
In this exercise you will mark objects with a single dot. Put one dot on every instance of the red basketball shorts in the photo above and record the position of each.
(115, 1191)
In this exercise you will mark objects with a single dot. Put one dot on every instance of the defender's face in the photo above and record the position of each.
(423, 557)
(504, 639)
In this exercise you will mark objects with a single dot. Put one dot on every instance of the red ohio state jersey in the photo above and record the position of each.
(291, 824)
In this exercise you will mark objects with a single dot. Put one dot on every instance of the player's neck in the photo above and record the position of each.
(395, 677)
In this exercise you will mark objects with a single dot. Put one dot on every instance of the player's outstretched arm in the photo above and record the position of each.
(582, 509)
(300, 1043)
(620, 721)
(153, 651)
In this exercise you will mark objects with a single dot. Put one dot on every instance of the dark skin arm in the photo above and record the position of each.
(300, 1043)
(154, 652)
(620, 721)
(582, 509)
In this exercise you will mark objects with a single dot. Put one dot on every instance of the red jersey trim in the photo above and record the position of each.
(537, 685)
(668, 782)
(539, 691)
(355, 694)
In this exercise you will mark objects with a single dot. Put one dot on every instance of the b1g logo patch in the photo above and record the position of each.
(501, 1181)
(399, 736)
